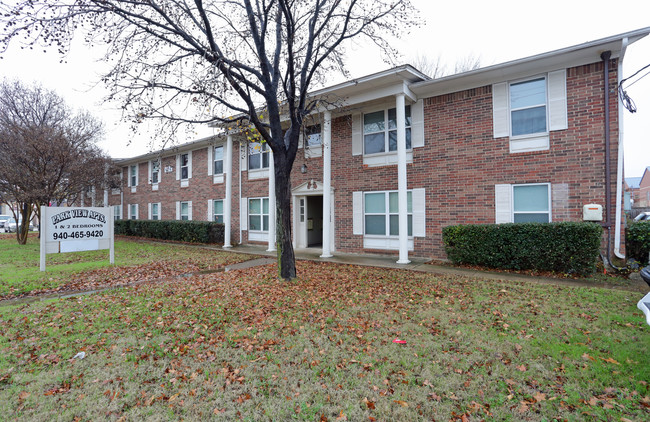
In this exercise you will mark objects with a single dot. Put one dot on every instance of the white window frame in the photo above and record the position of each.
(217, 160)
(261, 172)
(133, 212)
(154, 211)
(385, 241)
(505, 200)
(117, 212)
(385, 157)
(133, 177)
(555, 108)
(258, 235)
(215, 216)
(311, 132)
(154, 171)
(185, 166)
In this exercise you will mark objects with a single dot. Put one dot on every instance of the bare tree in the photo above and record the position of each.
(191, 61)
(435, 67)
(47, 153)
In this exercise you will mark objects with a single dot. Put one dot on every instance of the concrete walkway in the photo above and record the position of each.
(425, 265)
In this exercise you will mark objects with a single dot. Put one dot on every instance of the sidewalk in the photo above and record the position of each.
(424, 265)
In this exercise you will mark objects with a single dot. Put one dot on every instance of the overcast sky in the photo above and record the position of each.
(496, 31)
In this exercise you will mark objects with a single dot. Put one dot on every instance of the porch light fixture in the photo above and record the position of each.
(303, 168)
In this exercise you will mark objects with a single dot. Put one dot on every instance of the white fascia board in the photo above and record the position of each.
(188, 146)
(564, 58)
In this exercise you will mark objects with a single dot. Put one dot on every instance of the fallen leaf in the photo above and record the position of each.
(610, 360)
(539, 396)
(23, 395)
(522, 368)
(401, 403)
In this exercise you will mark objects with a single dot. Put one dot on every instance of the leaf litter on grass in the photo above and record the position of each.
(243, 344)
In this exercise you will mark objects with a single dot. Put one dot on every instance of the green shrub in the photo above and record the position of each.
(637, 241)
(570, 248)
(183, 231)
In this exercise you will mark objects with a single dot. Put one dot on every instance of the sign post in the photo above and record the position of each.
(76, 229)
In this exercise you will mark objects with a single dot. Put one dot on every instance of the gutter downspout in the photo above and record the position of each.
(619, 172)
(605, 56)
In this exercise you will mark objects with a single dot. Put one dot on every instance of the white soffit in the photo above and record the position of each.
(578, 55)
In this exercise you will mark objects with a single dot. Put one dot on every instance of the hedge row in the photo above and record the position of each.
(637, 241)
(570, 248)
(183, 231)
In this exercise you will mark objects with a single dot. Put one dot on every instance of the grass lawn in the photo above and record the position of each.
(20, 269)
(243, 345)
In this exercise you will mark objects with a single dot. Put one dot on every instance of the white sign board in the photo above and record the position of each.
(76, 229)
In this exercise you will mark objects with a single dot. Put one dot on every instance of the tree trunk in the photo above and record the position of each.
(284, 244)
(22, 229)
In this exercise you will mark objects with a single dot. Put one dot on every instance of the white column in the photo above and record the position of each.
(92, 200)
(327, 184)
(272, 234)
(401, 181)
(105, 197)
(227, 202)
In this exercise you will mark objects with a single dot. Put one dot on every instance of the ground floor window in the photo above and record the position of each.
(523, 203)
(531, 203)
(381, 213)
(155, 211)
(185, 210)
(258, 214)
(133, 211)
(217, 209)
(117, 212)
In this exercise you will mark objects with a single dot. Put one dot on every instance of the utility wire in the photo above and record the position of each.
(627, 102)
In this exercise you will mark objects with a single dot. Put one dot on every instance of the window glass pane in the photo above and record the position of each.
(254, 206)
(255, 222)
(184, 208)
(373, 122)
(218, 167)
(218, 219)
(133, 170)
(394, 225)
(265, 206)
(218, 207)
(374, 143)
(313, 140)
(392, 140)
(254, 161)
(265, 221)
(528, 94)
(530, 120)
(184, 173)
(218, 153)
(154, 177)
(184, 159)
(376, 224)
(375, 203)
(265, 160)
(393, 202)
(408, 138)
(531, 198)
(531, 218)
(392, 117)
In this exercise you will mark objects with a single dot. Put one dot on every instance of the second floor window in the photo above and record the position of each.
(185, 169)
(155, 171)
(218, 159)
(134, 175)
(380, 131)
(258, 156)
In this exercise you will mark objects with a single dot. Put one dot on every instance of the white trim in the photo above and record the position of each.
(502, 203)
(357, 213)
(243, 214)
(419, 204)
(357, 134)
(210, 159)
(210, 209)
(417, 125)
(557, 100)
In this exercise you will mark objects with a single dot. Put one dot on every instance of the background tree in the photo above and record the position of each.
(435, 67)
(47, 153)
(193, 61)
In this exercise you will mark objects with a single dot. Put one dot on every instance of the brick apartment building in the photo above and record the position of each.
(514, 142)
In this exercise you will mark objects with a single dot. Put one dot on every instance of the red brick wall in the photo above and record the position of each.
(458, 166)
